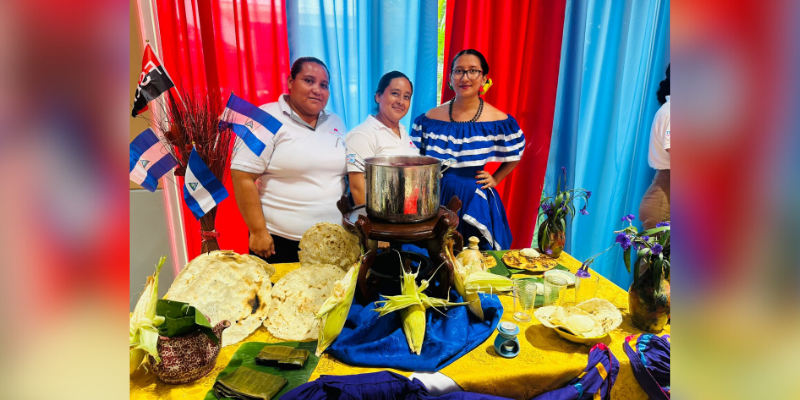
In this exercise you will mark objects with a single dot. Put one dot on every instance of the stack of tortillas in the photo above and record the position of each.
(327, 251)
(224, 285)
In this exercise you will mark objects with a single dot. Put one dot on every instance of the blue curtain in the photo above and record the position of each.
(362, 40)
(614, 53)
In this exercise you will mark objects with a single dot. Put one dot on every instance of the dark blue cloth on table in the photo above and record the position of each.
(369, 341)
(598, 377)
(382, 385)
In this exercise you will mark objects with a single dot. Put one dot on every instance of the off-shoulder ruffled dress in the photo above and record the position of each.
(472, 145)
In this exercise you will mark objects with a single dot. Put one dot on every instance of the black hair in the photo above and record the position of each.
(386, 79)
(476, 53)
(663, 89)
(298, 66)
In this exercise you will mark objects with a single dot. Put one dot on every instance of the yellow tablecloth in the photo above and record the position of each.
(545, 361)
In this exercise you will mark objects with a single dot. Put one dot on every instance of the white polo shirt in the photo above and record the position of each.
(372, 138)
(302, 171)
(658, 157)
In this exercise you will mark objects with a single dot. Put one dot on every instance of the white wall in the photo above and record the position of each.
(149, 241)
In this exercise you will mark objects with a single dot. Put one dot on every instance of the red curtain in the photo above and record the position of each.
(521, 40)
(217, 47)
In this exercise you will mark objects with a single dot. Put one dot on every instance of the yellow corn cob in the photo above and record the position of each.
(471, 279)
(412, 304)
(460, 274)
(143, 322)
(413, 316)
(334, 310)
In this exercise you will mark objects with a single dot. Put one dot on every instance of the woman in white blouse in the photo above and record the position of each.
(382, 134)
(298, 178)
(654, 207)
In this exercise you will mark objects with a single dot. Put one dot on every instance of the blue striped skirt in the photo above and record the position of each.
(482, 213)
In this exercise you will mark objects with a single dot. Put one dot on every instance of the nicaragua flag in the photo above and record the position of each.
(202, 191)
(150, 160)
(245, 120)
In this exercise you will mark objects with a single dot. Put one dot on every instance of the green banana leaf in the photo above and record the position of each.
(246, 356)
(502, 270)
(182, 319)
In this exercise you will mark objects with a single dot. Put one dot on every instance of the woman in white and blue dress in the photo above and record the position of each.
(474, 133)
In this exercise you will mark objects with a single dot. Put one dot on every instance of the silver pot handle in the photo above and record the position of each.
(447, 164)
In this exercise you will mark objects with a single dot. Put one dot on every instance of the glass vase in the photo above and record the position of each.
(649, 309)
(553, 241)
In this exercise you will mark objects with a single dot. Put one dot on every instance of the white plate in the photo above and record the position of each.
(569, 276)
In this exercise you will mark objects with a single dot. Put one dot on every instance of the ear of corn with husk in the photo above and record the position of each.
(412, 305)
(333, 312)
(472, 279)
(144, 322)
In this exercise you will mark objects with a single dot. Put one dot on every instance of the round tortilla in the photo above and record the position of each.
(329, 244)
(225, 285)
(515, 259)
(297, 298)
(609, 316)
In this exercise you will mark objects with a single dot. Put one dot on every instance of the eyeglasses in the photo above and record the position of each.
(471, 74)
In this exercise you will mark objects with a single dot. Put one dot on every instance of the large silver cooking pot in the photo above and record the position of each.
(403, 189)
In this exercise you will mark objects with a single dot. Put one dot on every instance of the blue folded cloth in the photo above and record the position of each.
(382, 385)
(369, 341)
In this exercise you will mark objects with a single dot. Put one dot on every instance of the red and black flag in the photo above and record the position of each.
(153, 81)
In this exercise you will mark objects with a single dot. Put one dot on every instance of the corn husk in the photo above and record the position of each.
(144, 323)
(412, 305)
(333, 312)
(472, 279)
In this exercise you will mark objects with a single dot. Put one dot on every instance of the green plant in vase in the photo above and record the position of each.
(649, 294)
(556, 210)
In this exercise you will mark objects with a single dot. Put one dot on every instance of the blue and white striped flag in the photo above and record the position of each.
(246, 120)
(150, 160)
(202, 191)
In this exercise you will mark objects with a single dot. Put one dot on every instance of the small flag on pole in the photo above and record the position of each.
(246, 120)
(153, 81)
(150, 160)
(202, 190)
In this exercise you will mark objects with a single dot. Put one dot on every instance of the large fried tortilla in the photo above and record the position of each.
(297, 298)
(225, 285)
(329, 244)
(515, 259)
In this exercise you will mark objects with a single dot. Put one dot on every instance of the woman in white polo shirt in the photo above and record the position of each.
(654, 207)
(383, 134)
(298, 178)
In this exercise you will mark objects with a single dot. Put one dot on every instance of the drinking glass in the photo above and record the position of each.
(555, 288)
(524, 297)
(586, 287)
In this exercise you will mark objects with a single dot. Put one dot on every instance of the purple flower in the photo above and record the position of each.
(662, 224)
(656, 249)
(564, 170)
(624, 241)
(588, 194)
(582, 273)
(584, 212)
(548, 251)
(645, 238)
(628, 217)
(637, 246)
